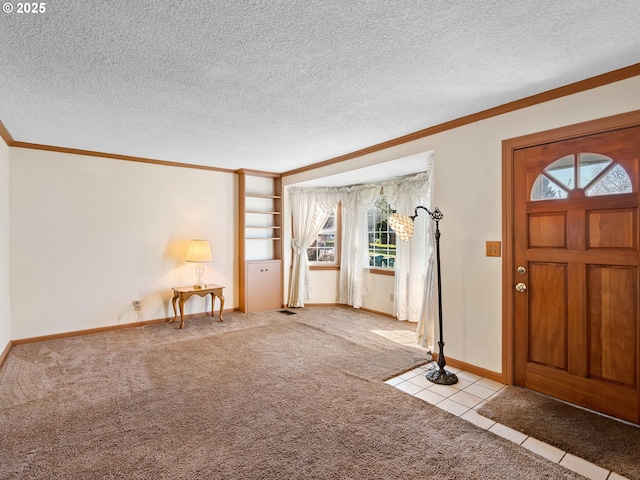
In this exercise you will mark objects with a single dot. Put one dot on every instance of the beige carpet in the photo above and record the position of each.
(261, 396)
(606, 442)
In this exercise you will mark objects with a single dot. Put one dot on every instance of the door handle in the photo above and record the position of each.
(521, 287)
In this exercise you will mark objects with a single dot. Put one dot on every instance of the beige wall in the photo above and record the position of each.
(91, 235)
(5, 330)
(468, 176)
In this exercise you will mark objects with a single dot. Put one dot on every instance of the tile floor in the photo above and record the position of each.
(462, 400)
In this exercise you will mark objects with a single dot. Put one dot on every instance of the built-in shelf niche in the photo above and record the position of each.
(260, 222)
(262, 217)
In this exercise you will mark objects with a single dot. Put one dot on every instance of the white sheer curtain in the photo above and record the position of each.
(354, 260)
(310, 210)
(414, 295)
(413, 289)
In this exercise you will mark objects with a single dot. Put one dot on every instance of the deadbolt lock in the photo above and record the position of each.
(521, 270)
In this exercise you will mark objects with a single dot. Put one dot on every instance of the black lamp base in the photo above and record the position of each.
(442, 377)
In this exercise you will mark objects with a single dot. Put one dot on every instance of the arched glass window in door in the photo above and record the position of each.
(592, 174)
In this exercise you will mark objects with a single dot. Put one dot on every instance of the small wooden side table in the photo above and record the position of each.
(182, 294)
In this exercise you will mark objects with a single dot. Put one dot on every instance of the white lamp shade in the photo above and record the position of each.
(402, 225)
(199, 251)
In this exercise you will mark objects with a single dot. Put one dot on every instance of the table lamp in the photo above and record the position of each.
(199, 251)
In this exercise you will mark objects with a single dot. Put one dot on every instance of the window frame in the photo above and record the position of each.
(389, 271)
(335, 265)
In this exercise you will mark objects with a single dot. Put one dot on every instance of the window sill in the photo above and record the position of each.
(383, 271)
(374, 271)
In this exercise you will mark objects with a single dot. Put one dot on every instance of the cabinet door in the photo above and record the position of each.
(264, 290)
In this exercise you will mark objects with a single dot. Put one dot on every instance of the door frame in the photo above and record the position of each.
(509, 146)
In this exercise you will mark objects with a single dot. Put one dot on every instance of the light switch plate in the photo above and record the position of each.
(493, 249)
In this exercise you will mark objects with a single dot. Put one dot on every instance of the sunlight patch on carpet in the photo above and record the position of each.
(403, 337)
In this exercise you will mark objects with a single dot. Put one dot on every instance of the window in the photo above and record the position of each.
(323, 251)
(382, 239)
(590, 173)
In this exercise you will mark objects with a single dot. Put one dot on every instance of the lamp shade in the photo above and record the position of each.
(199, 251)
(402, 225)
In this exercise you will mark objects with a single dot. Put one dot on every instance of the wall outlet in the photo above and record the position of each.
(493, 249)
(137, 304)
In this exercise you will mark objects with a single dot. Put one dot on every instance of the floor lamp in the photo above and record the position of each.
(403, 226)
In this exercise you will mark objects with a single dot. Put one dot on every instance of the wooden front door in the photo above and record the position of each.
(576, 252)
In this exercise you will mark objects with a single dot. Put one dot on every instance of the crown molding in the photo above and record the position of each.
(6, 136)
(112, 156)
(257, 173)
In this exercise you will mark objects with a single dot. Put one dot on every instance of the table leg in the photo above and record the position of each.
(221, 297)
(175, 309)
(213, 303)
(181, 303)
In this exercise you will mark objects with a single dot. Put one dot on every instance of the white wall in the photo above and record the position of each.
(380, 298)
(5, 330)
(468, 176)
(91, 235)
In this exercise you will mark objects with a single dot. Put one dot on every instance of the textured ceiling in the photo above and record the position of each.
(277, 85)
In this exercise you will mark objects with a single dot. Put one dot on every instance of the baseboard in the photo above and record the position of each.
(5, 352)
(467, 367)
(325, 305)
(109, 328)
(89, 331)
(368, 310)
